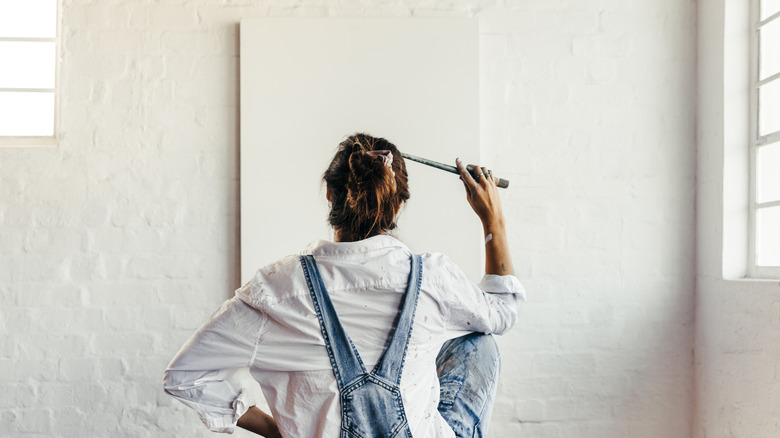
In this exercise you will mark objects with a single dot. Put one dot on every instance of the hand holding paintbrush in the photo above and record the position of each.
(482, 194)
(484, 200)
(475, 171)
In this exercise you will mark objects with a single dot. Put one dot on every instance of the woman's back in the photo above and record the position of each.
(366, 281)
(272, 328)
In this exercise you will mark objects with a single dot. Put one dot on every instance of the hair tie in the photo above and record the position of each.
(385, 156)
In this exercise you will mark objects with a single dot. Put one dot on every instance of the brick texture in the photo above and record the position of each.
(118, 243)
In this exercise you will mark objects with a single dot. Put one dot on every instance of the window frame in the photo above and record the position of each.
(11, 141)
(756, 141)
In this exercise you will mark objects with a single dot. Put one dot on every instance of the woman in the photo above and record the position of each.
(347, 339)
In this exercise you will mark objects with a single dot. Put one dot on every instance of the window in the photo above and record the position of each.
(765, 139)
(28, 77)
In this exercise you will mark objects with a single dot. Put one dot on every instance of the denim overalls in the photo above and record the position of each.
(371, 405)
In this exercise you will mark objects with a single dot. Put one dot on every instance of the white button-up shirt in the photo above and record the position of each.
(271, 327)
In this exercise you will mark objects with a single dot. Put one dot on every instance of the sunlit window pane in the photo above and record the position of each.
(769, 108)
(768, 161)
(28, 18)
(768, 227)
(26, 114)
(27, 64)
(770, 49)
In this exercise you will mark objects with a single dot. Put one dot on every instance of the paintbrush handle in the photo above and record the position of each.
(452, 169)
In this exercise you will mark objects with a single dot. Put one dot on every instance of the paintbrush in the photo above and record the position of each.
(452, 169)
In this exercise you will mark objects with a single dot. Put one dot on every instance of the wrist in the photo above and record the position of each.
(494, 225)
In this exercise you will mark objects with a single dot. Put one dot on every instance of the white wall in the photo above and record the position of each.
(737, 320)
(116, 245)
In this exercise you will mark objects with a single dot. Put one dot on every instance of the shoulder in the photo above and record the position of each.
(273, 282)
(438, 268)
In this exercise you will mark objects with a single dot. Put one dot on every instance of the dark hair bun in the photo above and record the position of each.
(365, 192)
(370, 184)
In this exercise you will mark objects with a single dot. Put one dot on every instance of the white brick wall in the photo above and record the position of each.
(116, 245)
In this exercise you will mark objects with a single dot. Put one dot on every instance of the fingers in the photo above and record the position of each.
(481, 177)
(485, 177)
(489, 176)
(465, 175)
(485, 173)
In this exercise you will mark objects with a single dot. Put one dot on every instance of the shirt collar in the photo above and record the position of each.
(380, 242)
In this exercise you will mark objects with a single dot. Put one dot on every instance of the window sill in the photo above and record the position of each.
(28, 142)
(769, 273)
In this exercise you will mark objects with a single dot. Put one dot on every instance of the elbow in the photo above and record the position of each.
(168, 380)
(507, 322)
(503, 315)
(176, 385)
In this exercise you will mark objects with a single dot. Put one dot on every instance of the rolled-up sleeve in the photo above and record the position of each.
(200, 374)
(502, 293)
(489, 306)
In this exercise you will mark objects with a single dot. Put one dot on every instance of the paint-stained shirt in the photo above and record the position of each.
(271, 327)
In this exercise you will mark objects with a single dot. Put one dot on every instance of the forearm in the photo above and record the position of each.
(498, 260)
(257, 421)
(483, 197)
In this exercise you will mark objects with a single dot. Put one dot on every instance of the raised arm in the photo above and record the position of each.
(482, 195)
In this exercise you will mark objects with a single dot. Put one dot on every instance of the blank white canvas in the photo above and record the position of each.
(306, 84)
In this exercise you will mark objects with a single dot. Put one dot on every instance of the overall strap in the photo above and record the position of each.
(391, 364)
(344, 358)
